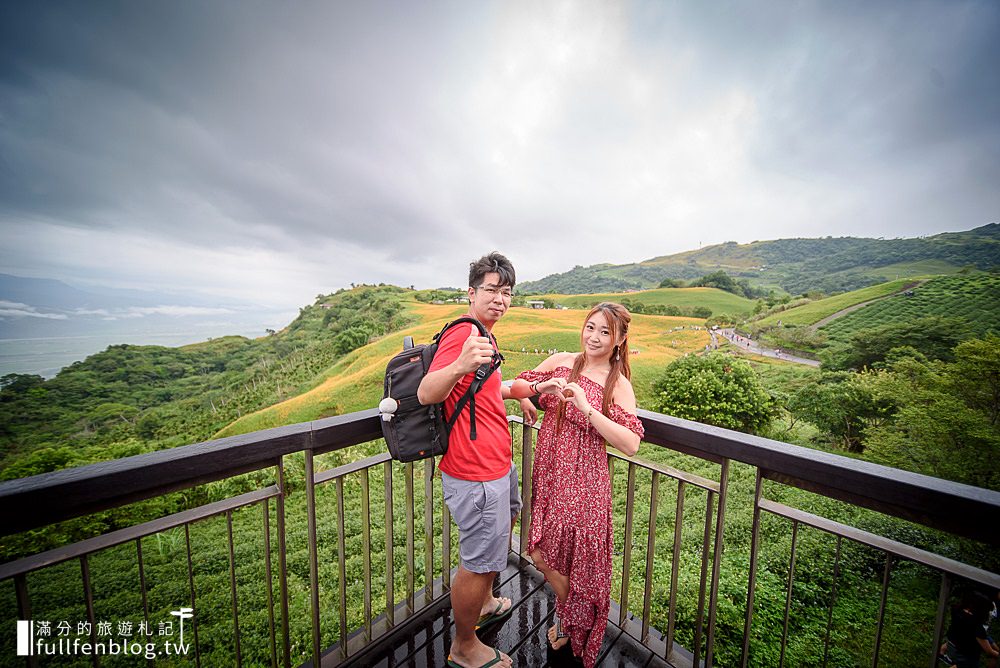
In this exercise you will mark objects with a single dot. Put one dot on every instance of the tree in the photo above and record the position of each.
(672, 283)
(715, 389)
(844, 405)
(975, 375)
(935, 337)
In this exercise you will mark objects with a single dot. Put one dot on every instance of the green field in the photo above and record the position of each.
(718, 301)
(974, 298)
(813, 312)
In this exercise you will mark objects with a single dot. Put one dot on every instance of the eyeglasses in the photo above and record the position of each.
(493, 290)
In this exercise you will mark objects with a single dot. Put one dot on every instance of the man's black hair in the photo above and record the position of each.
(492, 263)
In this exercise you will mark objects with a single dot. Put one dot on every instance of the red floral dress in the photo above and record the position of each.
(571, 510)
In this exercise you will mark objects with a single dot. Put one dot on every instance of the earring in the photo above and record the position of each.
(617, 357)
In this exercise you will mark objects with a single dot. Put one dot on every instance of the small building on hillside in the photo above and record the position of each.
(534, 303)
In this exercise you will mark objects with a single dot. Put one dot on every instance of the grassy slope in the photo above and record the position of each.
(355, 381)
(973, 297)
(812, 312)
(719, 301)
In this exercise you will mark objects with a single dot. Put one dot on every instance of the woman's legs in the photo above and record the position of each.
(560, 585)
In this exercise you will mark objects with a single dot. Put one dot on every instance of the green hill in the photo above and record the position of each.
(813, 312)
(794, 265)
(715, 300)
(525, 335)
(975, 299)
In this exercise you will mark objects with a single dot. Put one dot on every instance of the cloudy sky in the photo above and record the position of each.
(271, 151)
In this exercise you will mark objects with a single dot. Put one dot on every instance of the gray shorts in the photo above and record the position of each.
(483, 512)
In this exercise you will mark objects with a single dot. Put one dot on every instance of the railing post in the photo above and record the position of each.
(390, 596)
(366, 540)
(279, 502)
(627, 546)
(313, 557)
(713, 596)
(752, 578)
(428, 530)
(526, 472)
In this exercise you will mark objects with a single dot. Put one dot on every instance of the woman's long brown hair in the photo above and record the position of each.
(618, 319)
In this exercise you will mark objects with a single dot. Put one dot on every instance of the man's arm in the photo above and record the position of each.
(438, 384)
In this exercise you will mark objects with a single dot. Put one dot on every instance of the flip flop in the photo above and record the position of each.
(496, 659)
(495, 616)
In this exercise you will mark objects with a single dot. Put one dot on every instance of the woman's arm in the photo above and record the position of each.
(618, 436)
(522, 389)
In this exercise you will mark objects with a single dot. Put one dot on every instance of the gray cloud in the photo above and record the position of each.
(274, 151)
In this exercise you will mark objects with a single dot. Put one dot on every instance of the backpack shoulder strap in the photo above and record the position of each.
(482, 374)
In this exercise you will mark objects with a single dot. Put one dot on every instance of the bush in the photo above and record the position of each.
(715, 389)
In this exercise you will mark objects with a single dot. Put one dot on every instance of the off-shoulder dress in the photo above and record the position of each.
(571, 509)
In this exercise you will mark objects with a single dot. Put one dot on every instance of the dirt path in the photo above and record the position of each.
(909, 286)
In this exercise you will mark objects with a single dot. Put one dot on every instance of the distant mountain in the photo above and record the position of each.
(793, 265)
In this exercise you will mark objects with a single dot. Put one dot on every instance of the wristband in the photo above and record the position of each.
(589, 413)
(534, 388)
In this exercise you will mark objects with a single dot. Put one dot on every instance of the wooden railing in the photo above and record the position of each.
(400, 574)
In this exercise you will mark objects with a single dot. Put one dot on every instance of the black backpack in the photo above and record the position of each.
(414, 431)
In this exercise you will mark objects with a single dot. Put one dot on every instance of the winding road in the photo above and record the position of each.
(751, 346)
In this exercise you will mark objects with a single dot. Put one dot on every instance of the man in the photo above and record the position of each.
(477, 476)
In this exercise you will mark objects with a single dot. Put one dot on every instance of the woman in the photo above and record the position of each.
(588, 401)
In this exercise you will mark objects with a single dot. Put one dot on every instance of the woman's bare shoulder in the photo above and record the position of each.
(624, 394)
(556, 360)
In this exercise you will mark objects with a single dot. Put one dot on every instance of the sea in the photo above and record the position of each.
(47, 356)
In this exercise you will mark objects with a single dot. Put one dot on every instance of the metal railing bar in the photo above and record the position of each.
(788, 592)
(67, 493)
(88, 597)
(699, 626)
(881, 609)
(752, 577)
(313, 556)
(24, 607)
(888, 545)
(627, 544)
(390, 596)
(342, 566)
(142, 579)
(670, 471)
(97, 543)
(527, 464)
(428, 529)
(962, 510)
(366, 548)
(266, 513)
(675, 565)
(279, 503)
(833, 601)
(232, 589)
(190, 568)
(39, 500)
(445, 546)
(720, 523)
(410, 531)
(654, 496)
(943, 596)
(352, 467)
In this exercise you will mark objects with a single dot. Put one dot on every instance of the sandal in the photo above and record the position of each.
(560, 635)
(495, 616)
(496, 659)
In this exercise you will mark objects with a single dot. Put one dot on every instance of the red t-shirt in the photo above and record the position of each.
(488, 457)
